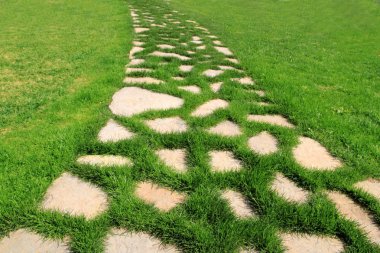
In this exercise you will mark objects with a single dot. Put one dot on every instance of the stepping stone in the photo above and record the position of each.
(184, 44)
(260, 93)
(130, 101)
(168, 125)
(123, 241)
(132, 70)
(212, 73)
(165, 46)
(70, 195)
(217, 42)
(141, 29)
(104, 160)
(160, 197)
(134, 51)
(222, 67)
(191, 21)
(190, 52)
(312, 155)
(196, 38)
(232, 60)
(226, 128)
(175, 158)
(223, 50)
(141, 80)
(212, 37)
(263, 143)
(201, 47)
(276, 120)
(138, 43)
(370, 186)
(247, 251)
(170, 55)
(223, 161)
(287, 189)
(210, 107)
(352, 211)
(191, 88)
(135, 62)
(23, 241)
(178, 78)
(238, 204)
(186, 68)
(113, 132)
(244, 80)
(198, 42)
(300, 243)
(262, 103)
(215, 87)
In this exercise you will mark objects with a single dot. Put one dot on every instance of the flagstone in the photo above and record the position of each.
(210, 107)
(263, 143)
(195, 38)
(277, 120)
(135, 62)
(223, 161)
(142, 80)
(186, 68)
(170, 55)
(217, 42)
(244, 80)
(165, 46)
(224, 50)
(113, 132)
(370, 186)
(238, 204)
(226, 128)
(201, 47)
(191, 88)
(233, 60)
(138, 43)
(175, 158)
(260, 93)
(134, 51)
(168, 125)
(132, 70)
(306, 243)
(215, 87)
(212, 72)
(287, 189)
(222, 67)
(190, 52)
(178, 78)
(141, 29)
(104, 160)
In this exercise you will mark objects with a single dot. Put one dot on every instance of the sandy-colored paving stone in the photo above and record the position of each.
(135, 62)
(186, 68)
(212, 72)
(223, 161)
(212, 36)
(104, 160)
(175, 158)
(260, 93)
(263, 143)
(209, 107)
(134, 51)
(165, 46)
(215, 87)
(191, 88)
(132, 70)
(277, 120)
(305, 243)
(184, 44)
(24, 241)
(223, 67)
(352, 211)
(190, 52)
(238, 204)
(233, 60)
(224, 50)
(122, 241)
(178, 78)
(170, 55)
(288, 189)
(113, 132)
(198, 42)
(138, 43)
(371, 186)
(161, 197)
(196, 38)
(133, 100)
(141, 29)
(142, 80)
(244, 80)
(168, 125)
(69, 194)
(217, 42)
(203, 47)
(247, 251)
(226, 128)
(262, 103)
(312, 155)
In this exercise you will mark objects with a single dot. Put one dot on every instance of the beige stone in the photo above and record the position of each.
(371, 186)
(198, 42)
(134, 100)
(113, 132)
(238, 204)
(288, 189)
(175, 158)
(196, 38)
(191, 88)
(141, 29)
(209, 108)
(134, 51)
(276, 120)
(203, 47)
(138, 43)
(212, 72)
(142, 80)
(226, 128)
(352, 211)
(223, 67)
(165, 46)
(133, 70)
(224, 50)
(217, 42)
(69, 194)
(185, 68)
(223, 161)
(135, 62)
(260, 93)
(168, 125)
(215, 87)
(247, 251)
(232, 60)
(190, 52)
(178, 78)
(160, 197)
(104, 160)
(263, 143)
(212, 36)
(305, 243)
(244, 80)
(170, 55)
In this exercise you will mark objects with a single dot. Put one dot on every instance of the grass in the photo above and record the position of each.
(313, 72)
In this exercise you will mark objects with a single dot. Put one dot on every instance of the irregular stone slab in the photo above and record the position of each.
(197, 42)
(69, 194)
(288, 189)
(223, 67)
(224, 50)
(134, 100)
(162, 198)
(191, 88)
(212, 36)
(165, 46)
(123, 241)
(190, 52)
(212, 72)
(312, 155)
(196, 38)
(209, 108)
(263, 143)
(170, 55)
(371, 186)
(178, 78)
(226, 128)
(132, 70)
(175, 158)
(104, 160)
(135, 62)
(223, 161)
(276, 120)
(201, 47)
(297, 243)
(141, 29)
(215, 87)
(142, 80)
(260, 93)
(134, 51)
(23, 241)
(233, 60)
(244, 80)
(185, 68)
(138, 43)
(113, 132)
(168, 125)
(217, 42)
(352, 211)
(238, 204)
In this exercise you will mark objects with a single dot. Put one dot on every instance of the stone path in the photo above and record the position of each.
(201, 68)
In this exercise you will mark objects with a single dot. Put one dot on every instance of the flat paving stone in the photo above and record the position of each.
(203, 47)
(170, 55)
(135, 62)
(186, 68)
(226, 128)
(224, 50)
(370, 186)
(133, 70)
(113, 132)
(168, 125)
(312, 155)
(175, 158)
(223, 67)
(247, 251)
(165, 46)
(217, 42)
(277, 120)
(142, 80)
(223, 161)
(130, 101)
(196, 38)
(260, 93)
(263, 143)
(24, 241)
(198, 42)
(178, 78)
(141, 29)
(287, 189)
(138, 43)
(212, 72)
(209, 108)
(215, 87)
(233, 60)
(191, 88)
(70, 195)
(104, 160)
(238, 204)
(305, 243)
(244, 80)
(160, 197)
(354, 212)
(134, 51)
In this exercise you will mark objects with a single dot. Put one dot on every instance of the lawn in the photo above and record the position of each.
(318, 63)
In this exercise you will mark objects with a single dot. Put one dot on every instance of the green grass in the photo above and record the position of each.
(64, 60)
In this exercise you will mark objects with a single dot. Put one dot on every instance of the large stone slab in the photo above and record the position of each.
(167, 125)
(238, 204)
(264, 143)
(113, 132)
(223, 161)
(371, 186)
(287, 189)
(104, 160)
(226, 128)
(305, 243)
(276, 120)
(174, 158)
(210, 107)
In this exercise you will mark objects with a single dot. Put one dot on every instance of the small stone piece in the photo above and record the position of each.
(263, 143)
(210, 107)
(134, 51)
(238, 204)
(260, 93)
(185, 68)
(288, 189)
(276, 120)
(69, 194)
(198, 42)
(178, 78)
(215, 87)
(232, 60)
(223, 67)
(244, 80)
(138, 43)
(226, 128)
(371, 186)
(135, 62)
(104, 160)
(168, 125)
(162, 198)
(203, 47)
(132, 70)
(196, 38)
(141, 29)
(223, 161)
(113, 132)
(173, 158)
(142, 80)
(166, 46)
(217, 42)
(212, 72)
(297, 243)
(191, 88)
(224, 50)
(170, 55)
